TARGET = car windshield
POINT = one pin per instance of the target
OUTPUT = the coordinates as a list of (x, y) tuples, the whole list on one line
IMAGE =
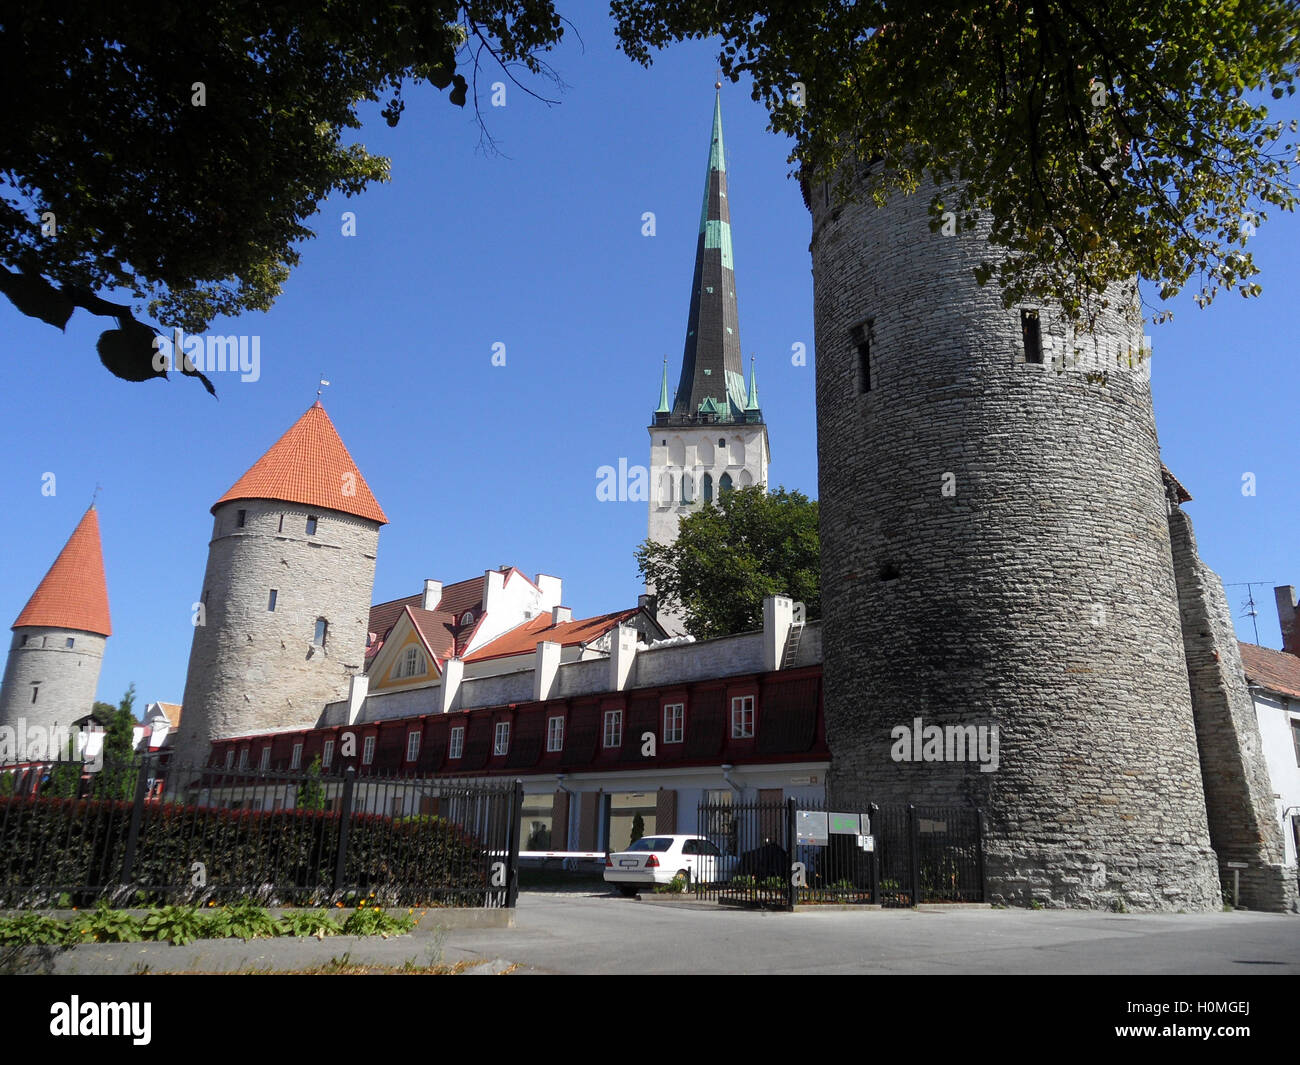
[(651, 843)]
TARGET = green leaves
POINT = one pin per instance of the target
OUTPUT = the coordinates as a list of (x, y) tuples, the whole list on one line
[(730, 555)]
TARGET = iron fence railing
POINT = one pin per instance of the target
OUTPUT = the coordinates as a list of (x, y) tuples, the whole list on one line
[(782, 854), (144, 832)]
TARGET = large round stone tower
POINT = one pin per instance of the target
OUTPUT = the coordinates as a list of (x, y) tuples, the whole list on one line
[(996, 553), (281, 625), (58, 643)]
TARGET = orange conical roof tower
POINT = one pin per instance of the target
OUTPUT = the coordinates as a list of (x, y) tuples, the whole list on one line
[(309, 465), (73, 595)]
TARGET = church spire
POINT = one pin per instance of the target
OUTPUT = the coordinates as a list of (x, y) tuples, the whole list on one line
[(713, 376), (663, 407), (753, 386)]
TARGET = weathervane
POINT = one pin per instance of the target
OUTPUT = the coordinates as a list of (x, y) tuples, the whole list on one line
[(323, 384)]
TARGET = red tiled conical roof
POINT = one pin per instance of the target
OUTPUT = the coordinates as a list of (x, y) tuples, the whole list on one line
[(74, 594), (309, 465)]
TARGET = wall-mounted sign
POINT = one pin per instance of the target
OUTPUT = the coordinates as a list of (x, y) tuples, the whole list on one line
[(810, 828), (803, 782), (846, 824)]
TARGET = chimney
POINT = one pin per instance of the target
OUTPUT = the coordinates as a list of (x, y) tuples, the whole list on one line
[(1286, 618), (449, 697), (357, 688), (550, 588), (494, 583), (561, 614), (650, 604), (545, 670), (778, 616), (432, 595), (622, 657)]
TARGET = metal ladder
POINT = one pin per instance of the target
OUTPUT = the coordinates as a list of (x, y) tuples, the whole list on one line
[(792, 645)]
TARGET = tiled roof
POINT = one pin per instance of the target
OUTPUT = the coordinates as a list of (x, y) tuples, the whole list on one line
[(1277, 671), (456, 599), (309, 465), (438, 627), (73, 594), (1174, 484), (172, 712), (523, 639)]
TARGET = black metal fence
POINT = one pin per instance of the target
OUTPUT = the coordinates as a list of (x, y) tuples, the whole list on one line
[(140, 833), (781, 854)]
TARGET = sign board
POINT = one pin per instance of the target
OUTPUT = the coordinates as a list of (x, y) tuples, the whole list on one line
[(845, 824), (1237, 865), (867, 843), (810, 828), (803, 781)]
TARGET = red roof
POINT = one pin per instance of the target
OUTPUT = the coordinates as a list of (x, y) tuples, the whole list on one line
[(1277, 671), (523, 639), (74, 594), (456, 599), (309, 465)]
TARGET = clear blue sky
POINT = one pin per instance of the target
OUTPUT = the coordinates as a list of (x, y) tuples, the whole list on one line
[(541, 249)]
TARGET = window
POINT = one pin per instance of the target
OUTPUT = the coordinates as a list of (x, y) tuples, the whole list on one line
[(243, 516), (674, 722), (270, 600), (413, 663), (230, 758), (501, 742), (243, 758), (708, 488), (742, 717), (368, 751), (722, 442), (311, 526), (265, 763), (724, 483), (295, 762), (71, 643), (686, 487), (457, 747), (862, 337), (327, 755), (281, 528), (36, 690), (555, 734), (1032, 335), (613, 728), (322, 630), (1295, 737), (412, 746)]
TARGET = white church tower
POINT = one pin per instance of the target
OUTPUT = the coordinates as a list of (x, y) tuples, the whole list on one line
[(711, 438)]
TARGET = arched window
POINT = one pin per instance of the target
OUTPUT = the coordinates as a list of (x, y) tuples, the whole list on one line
[(686, 488), (322, 631), (708, 488), (724, 484)]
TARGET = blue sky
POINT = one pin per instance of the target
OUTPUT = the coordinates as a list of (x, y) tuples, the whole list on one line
[(541, 249)]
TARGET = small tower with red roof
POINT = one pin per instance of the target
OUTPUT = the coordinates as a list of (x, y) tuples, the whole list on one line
[(59, 637), (280, 626)]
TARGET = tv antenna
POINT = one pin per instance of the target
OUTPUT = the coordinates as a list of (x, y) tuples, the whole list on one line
[(1252, 609)]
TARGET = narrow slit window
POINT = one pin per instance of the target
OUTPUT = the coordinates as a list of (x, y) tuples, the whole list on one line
[(862, 337), (311, 526), (243, 516), (270, 600), (1033, 337)]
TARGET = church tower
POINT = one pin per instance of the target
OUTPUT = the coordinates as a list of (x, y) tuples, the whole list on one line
[(996, 554), (281, 625), (59, 637), (711, 437)]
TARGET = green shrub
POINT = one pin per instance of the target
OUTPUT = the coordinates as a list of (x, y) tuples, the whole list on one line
[(176, 924), (316, 923), (32, 928), (105, 925), (374, 921)]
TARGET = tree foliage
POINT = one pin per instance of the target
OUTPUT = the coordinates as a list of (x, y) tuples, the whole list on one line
[(175, 151), (730, 555), (311, 794), (117, 778), (1102, 141)]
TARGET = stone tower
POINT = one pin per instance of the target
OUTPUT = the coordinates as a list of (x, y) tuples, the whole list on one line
[(58, 643), (712, 437), (995, 552), (282, 625)]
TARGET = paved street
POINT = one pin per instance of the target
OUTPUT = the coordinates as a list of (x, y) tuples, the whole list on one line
[(560, 932)]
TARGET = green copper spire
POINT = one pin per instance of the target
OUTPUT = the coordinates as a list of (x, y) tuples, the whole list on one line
[(753, 386), (663, 407)]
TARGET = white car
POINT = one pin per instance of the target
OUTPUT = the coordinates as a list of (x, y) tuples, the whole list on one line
[(655, 860)]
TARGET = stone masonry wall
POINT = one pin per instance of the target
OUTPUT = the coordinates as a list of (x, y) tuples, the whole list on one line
[(1238, 791), (996, 552), (66, 677), (252, 669)]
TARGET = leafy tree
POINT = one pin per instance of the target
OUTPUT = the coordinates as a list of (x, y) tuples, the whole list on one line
[(174, 151), (638, 829), (64, 780), (117, 778), (731, 554), (1104, 141), (311, 794)]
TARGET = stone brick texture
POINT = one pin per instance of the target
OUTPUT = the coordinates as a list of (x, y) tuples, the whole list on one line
[(1238, 793), (1038, 595), (67, 677), (255, 670)]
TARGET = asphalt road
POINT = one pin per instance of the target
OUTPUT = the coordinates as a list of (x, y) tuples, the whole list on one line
[(597, 933)]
